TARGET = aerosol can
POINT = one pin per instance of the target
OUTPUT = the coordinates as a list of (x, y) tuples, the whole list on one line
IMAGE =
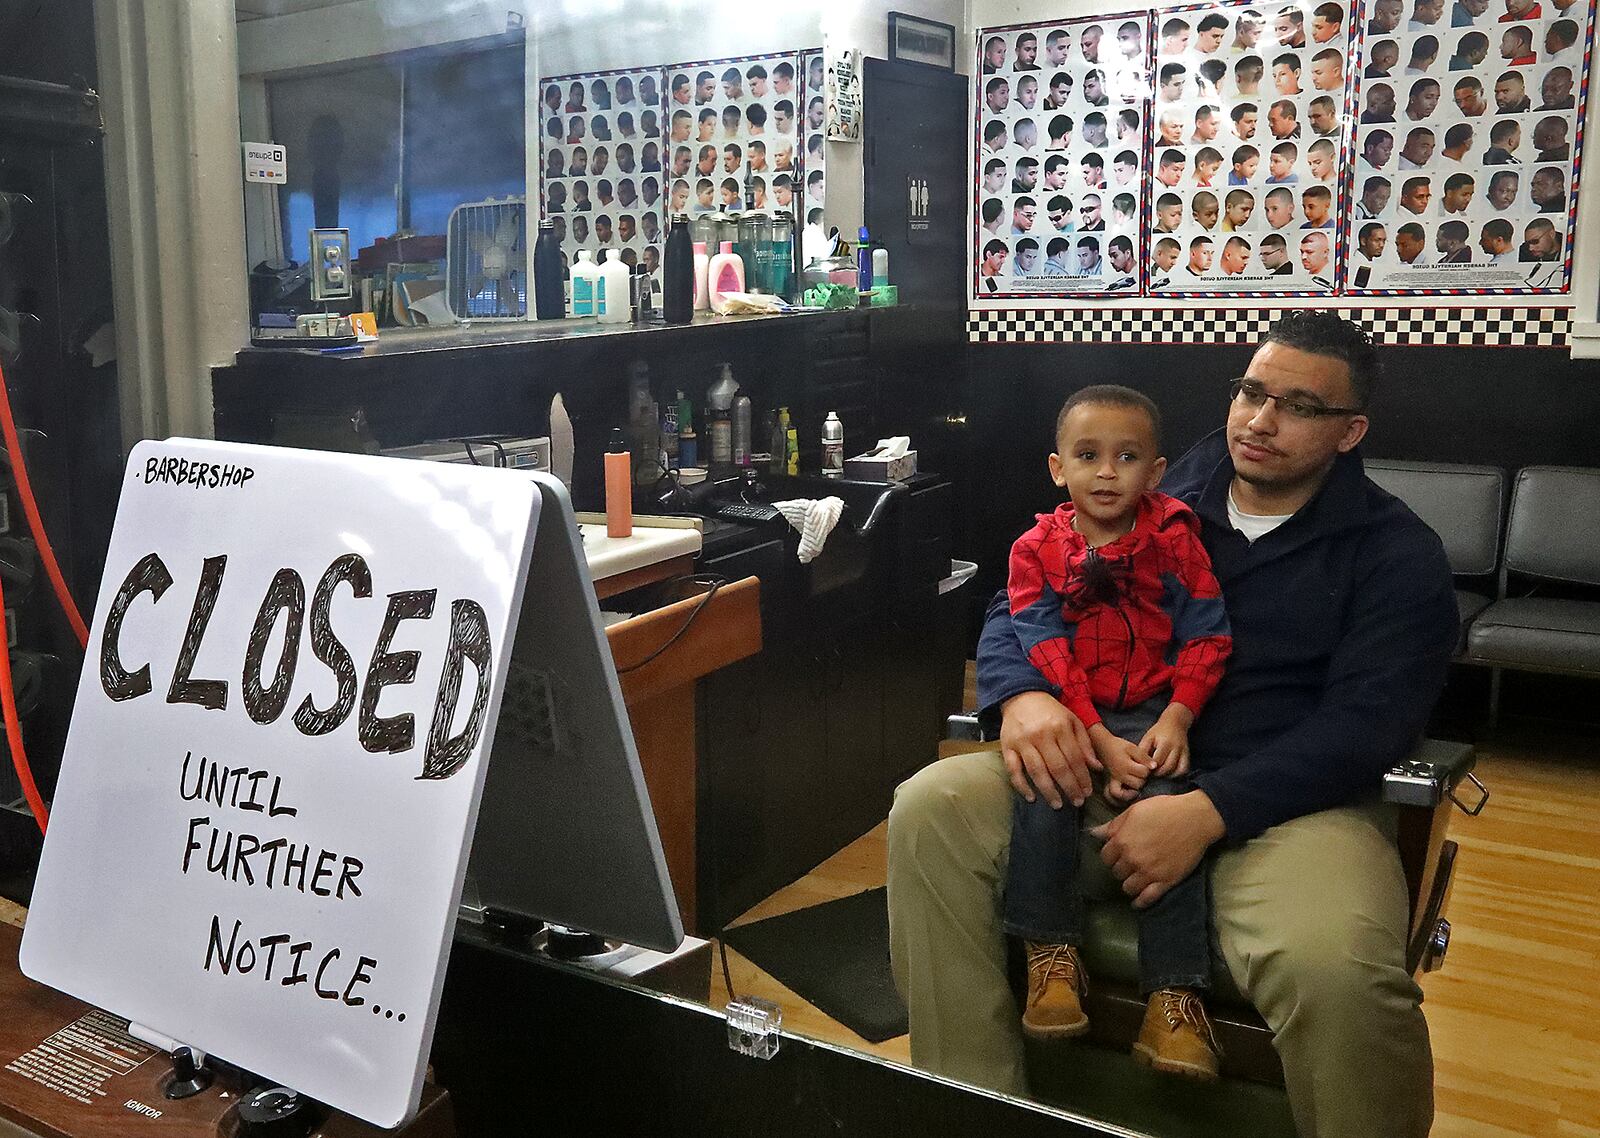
[(832, 446)]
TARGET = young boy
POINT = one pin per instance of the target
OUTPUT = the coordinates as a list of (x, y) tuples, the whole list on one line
[(1114, 600)]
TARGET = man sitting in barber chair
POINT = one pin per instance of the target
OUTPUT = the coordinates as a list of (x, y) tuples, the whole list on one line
[(1344, 620)]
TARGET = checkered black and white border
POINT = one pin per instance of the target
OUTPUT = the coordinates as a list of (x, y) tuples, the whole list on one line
[(1508, 327)]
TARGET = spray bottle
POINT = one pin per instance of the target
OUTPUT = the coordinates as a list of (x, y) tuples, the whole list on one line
[(741, 431)]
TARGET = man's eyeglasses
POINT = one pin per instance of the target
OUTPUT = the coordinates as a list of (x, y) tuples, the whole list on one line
[(1252, 394)]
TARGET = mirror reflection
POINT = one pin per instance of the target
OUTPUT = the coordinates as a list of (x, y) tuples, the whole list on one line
[(1085, 743)]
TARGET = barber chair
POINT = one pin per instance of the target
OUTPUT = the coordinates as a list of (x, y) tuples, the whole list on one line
[(1424, 786)]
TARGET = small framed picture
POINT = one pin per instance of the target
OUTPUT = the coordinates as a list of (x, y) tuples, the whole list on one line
[(913, 39)]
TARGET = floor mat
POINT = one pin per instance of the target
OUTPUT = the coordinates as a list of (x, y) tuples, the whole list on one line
[(835, 956)]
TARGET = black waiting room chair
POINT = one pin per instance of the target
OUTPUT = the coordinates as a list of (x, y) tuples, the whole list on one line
[(1464, 505), (1547, 617)]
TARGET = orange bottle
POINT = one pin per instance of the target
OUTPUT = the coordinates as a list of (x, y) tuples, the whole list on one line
[(619, 487)]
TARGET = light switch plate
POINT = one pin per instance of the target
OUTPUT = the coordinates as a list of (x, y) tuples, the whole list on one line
[(330, 265)]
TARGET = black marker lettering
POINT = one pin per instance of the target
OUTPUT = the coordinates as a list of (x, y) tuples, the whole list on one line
[(183, 778), (287, 594), (214, 862), (273, 809), (347, 876), (210, 694), (325, 861), (298, 976), (194, 824), (469, 640), (250, 803), (272, 849), (397, 732), (326, 993), (241, 857), (360, 976), (350, 569), (292, 863), (214, 949), (148, 576), (271, 943)]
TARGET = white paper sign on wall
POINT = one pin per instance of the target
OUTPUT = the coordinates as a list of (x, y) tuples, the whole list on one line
[(842, 103), (273, 770)]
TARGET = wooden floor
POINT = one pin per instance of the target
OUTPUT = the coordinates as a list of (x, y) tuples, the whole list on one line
[(1515, 1012)]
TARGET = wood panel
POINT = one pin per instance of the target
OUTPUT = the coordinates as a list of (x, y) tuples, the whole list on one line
[(1515, 1012), (34, 1013), (712, 632)]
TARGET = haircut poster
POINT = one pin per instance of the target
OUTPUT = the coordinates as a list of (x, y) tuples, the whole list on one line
[(1468, 145), (813, 164), (1061, 111), (600, 163), (734, 132), (1248, 144)]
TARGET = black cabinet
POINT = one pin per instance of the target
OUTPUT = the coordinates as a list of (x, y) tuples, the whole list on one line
[(801, 747)]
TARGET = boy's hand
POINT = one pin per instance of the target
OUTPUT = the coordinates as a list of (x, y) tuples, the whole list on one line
[(1167, 742), (1126, 766)]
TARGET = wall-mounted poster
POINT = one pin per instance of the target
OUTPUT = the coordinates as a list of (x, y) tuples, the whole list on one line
[(1248, 143), (1467, 150), (1060, 142), (734, 127), (601, 176), (813, 161)]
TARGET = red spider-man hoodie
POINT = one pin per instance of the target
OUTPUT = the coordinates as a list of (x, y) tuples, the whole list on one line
[(1147, 618)]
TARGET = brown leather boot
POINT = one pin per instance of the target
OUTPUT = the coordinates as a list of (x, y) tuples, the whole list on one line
[(1056, 986), (1177, 1036)]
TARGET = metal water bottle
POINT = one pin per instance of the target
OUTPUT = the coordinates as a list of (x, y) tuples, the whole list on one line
[(677, 272), (832, 446), (549, 301)]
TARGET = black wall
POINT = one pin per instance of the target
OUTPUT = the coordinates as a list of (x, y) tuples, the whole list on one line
[(1507, 407)]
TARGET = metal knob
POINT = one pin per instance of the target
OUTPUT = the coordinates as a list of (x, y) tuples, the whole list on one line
[(275, 1112), (188, 1076), (1438, 945)]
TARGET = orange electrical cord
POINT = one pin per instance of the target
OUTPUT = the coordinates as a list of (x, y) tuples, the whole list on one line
[(8, 694), (19, 471), (8, 705)]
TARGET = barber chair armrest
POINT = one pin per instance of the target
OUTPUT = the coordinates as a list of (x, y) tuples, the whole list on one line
[(964, 728), (1431, 774), (1424, 785)]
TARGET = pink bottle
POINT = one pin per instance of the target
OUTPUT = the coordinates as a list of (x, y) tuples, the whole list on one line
[(725, 274)]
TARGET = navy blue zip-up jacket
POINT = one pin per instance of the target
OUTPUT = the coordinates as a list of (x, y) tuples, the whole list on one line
[(1344, 621)]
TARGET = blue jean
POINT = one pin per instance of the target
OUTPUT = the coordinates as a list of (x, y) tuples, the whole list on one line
[(1043, 902)]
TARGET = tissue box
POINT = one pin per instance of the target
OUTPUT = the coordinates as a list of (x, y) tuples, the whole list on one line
[(879, 468)]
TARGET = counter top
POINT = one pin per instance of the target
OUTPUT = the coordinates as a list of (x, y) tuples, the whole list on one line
[(648, 545), (492, 336)]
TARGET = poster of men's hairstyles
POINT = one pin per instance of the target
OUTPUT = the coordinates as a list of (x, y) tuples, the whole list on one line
[(1249, 131), (736, 131), (602, 171), (1060, 121), (1468, 144), (812, 159)]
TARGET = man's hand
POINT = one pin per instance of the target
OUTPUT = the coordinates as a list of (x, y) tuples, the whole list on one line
[(1126, 766), (1156, 843), (1167, 741), (1046, 747)]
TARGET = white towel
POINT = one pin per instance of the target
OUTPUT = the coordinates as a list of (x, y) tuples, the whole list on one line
[(815, 519)]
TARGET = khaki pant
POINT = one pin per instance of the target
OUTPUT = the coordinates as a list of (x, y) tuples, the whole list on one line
[(1311, 916)]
